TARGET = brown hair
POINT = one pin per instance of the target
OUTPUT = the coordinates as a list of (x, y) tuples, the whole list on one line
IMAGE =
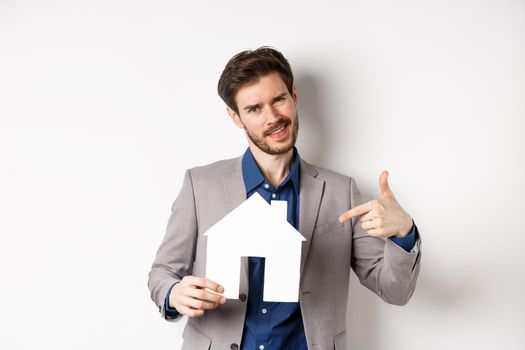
[(248, 67)]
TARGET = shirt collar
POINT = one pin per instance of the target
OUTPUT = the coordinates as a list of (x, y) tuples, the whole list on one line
[(253, 177)]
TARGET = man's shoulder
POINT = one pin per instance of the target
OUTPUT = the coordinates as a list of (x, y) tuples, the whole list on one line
[(216, 169)]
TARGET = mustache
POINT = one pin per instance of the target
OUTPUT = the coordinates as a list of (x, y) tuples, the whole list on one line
[(277, 125)]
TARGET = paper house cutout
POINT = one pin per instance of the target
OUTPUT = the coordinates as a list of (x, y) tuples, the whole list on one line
[(258, 229)]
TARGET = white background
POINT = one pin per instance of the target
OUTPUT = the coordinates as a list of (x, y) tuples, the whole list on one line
[(104, 104)]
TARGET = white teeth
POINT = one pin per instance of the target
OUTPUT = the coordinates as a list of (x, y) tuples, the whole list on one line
[(278, 130)]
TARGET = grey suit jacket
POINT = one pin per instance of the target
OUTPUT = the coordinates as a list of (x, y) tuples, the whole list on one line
[(331, 249)]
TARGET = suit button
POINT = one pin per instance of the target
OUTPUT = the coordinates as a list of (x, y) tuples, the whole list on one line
[(242, 296), (234, 347)]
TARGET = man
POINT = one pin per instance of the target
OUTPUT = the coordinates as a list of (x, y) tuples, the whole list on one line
[(377, 239)]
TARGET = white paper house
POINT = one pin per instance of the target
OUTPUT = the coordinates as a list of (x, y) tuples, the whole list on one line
[(256, 229)]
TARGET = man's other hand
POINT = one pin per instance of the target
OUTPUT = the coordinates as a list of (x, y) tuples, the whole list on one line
[(192, 296), (382, 217)]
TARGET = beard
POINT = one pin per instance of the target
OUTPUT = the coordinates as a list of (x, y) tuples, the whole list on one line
[(261, 143)]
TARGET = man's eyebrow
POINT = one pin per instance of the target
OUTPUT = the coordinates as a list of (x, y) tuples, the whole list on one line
[(281, 95), (251, 106)]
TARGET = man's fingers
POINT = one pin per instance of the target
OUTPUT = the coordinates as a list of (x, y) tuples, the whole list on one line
[(368, 225), (384, 187), (204, 295), (367, 217), (186, 310), (193, 295), (198, 304), (356, 211), (204, 282)]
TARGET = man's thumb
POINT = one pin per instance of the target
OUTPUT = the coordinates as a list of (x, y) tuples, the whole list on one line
[(383, 185)]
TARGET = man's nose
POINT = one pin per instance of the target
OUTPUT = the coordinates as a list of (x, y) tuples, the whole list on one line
[(271, 115)]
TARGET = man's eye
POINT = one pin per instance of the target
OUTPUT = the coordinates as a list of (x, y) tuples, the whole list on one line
[(253, 109)]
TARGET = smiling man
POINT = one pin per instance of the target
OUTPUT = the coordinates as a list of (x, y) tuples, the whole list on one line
[(377, 239), (269, 115)]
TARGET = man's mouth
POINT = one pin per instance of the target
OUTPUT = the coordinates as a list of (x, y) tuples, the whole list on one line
[(279, 132)]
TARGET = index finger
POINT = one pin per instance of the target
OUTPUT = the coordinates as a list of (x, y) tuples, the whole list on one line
[(204, 282), (355, 211)]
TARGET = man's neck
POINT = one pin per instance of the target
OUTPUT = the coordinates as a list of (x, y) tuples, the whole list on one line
[(274, 167)]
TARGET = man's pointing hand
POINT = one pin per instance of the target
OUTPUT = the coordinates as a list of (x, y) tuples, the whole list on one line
[(382, 217)]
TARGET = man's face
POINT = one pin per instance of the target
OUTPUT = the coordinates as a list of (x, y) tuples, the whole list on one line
[(268, 114)]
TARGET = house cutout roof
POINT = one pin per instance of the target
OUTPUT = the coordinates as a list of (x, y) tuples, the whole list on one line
[(256, 228)]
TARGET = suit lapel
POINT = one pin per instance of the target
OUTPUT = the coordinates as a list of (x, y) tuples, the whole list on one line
[(311, 192), (234, 188)]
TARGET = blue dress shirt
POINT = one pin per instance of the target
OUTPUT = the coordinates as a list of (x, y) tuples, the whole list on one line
[(274, 325), (271, 325)]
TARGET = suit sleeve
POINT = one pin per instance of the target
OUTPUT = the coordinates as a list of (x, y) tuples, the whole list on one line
[(381, 265), (175, 256)]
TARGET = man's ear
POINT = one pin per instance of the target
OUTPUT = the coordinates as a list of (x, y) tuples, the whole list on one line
[(294, 94), (234, 117)]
